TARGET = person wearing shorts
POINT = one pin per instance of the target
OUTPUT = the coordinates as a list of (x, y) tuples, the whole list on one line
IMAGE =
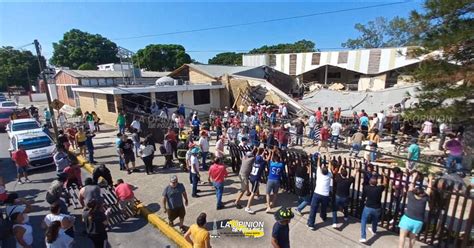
[(274, 178), (21, 161), (81, 141), (244, 174), (173, 205), (126, 151), (255, 176), (411, 222)]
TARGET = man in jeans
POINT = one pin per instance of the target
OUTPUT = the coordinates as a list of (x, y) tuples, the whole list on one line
[(173, 196), (125, 196), (204, 144), (336, 129), (357, 139), (373, 205), (311, 125), (118, 141), (321, 195), (343, 184), (217, 173), (194, 164)]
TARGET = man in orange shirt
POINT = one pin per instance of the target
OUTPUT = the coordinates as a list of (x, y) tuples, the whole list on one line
[(21, 160), (125, 196), (217, 173)]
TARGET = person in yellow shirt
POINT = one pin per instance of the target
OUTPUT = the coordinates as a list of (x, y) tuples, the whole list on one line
[(197, 235), (81, 141)]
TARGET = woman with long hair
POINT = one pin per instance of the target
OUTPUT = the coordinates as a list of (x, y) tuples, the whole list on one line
[(95, 221)]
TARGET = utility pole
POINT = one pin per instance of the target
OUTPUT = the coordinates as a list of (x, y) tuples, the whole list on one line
[(48, 95)]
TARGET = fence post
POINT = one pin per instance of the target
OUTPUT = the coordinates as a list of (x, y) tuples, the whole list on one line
[(467, 229)]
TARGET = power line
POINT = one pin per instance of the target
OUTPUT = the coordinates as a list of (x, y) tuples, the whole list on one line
[(261, 22)]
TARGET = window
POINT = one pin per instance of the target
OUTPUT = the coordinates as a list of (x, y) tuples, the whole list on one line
[(202, 97), (170, 99), (273, 61), (334, 75), (110, 103), (70, 93), (342, 57), (315, 58)]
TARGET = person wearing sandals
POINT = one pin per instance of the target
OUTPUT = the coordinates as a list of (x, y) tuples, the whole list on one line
[(173, 204)]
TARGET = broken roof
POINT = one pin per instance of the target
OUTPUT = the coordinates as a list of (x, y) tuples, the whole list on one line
[(371, 102)]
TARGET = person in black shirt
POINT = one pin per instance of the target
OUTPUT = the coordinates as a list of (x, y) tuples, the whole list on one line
[(127, 153), (302, 188), (299, 132), (281, 229), (373, 193), (95, 221), (104, 172), (412, 221), (343, 184)]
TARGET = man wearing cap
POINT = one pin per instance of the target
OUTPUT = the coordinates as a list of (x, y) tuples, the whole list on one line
[(194, 170), (173, 196), (245, 168), (204, 145), (413, 154), (22, 161), (281, 229)]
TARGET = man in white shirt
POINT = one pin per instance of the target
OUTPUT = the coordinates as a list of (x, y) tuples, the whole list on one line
[(194, 163), (220, 147), (336, 129), (321, 195), (375, 122), (311, 124), (381, 117), (284, 111), (136, 124), (204, 144), (443, 130)]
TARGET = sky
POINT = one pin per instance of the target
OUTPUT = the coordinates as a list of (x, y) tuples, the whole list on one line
[(22, 22)]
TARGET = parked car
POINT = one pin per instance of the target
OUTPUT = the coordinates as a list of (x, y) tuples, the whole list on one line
[(8, 105), (39, 147), (5, 118), (19, 126)]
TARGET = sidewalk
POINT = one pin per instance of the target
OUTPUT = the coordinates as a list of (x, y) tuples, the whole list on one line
[(150, 188)]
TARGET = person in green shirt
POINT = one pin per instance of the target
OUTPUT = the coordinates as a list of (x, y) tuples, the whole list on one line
[(413, 154), (120, 123)]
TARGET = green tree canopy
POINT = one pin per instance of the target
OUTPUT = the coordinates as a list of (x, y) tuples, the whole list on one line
[(161, 57), (383, 33), (17, 66), (78, 47), (229, 58), (297, 47), (87, 66)]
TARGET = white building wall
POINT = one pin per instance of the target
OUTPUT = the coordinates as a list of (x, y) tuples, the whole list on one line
[(187, 98)]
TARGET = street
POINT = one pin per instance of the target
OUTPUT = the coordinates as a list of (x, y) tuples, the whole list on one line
[(134, 232)]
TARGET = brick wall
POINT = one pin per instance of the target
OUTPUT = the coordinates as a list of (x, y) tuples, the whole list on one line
[(99, 106), (198, 77)]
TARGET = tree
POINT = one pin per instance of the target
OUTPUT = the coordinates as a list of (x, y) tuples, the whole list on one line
[(161, 57), (87, 66), (447, 76), (17, 67), (78, 47), (297, 47), (383, 33), (229, 58)]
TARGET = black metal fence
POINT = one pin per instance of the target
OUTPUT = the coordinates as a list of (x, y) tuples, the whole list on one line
[(448, 221)]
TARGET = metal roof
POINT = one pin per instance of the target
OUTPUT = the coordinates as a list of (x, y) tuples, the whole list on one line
[(110, 74)]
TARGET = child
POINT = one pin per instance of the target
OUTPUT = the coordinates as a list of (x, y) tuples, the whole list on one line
[(281, 229)]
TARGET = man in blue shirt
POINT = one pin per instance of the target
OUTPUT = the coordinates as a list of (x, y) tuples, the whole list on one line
[(364, 124), (281, 229), (276, 170)]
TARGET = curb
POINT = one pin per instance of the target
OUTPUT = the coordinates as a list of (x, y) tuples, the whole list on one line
[(153, 219)]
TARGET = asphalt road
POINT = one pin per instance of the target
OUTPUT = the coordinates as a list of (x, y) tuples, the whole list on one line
[(135, 232)]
